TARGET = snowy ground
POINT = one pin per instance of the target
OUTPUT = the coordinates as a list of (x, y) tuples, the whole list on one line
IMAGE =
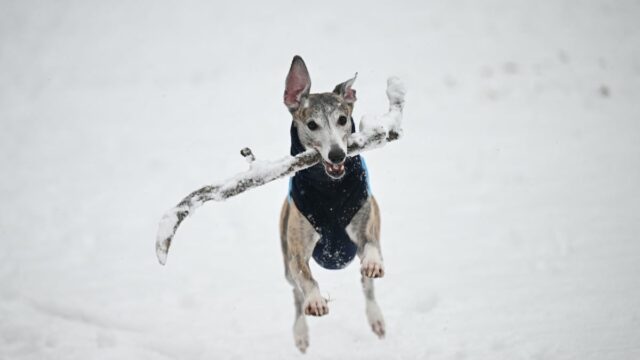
[(511, 209)]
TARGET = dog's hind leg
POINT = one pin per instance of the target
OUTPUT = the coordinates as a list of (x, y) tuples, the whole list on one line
[(374, 314), (300, 328), (298, 281), (364, 229)]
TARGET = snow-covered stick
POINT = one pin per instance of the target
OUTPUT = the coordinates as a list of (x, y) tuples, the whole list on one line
[(374, 132)]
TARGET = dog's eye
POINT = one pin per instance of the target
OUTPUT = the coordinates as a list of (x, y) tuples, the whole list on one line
[(312, 125), (342, 120)]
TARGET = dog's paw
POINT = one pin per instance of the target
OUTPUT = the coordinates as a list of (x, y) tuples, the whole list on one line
[(374, 315), (372, 265), (378, 328), (316, 305), (301, 334)]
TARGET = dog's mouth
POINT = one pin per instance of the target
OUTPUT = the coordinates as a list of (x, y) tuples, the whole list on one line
[(335, 171)]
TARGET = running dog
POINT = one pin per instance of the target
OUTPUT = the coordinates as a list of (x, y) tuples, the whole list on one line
[(329, 214)]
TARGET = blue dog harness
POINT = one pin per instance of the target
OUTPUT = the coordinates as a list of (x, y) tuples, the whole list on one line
[(330, 204)]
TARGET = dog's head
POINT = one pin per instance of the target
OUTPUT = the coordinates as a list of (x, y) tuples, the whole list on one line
[(323, 121)]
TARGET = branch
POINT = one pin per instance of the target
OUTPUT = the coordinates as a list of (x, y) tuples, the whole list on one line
[(374, 132)]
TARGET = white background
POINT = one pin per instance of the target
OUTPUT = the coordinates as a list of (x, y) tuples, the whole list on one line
[(511, 208)]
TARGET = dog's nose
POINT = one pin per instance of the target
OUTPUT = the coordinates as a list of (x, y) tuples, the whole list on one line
[(336, 155)]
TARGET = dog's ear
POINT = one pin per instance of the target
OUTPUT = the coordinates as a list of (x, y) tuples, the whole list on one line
[(344, 89), (297, 85)]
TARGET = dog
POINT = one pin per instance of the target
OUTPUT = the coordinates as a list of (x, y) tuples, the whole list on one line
[(329, 214)]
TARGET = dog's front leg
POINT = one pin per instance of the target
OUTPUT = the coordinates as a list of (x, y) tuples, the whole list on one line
[(314, 304), (301, 239)]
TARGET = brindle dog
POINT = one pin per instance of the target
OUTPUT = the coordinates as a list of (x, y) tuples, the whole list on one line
[(323, 122)]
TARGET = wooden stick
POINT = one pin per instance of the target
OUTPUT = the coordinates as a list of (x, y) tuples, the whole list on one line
[(386, 129)]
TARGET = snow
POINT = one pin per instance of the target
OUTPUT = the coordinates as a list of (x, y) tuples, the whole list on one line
[(509, 208)]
